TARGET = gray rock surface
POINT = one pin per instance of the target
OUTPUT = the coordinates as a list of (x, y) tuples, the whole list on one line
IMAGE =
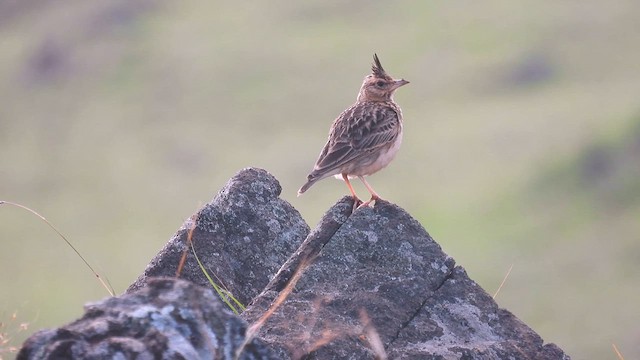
[(381, 261), (461, 321), (166, 319), (371, 283), (242, 236)]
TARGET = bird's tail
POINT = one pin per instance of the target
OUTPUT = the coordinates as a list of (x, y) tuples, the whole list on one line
[(310, 181)]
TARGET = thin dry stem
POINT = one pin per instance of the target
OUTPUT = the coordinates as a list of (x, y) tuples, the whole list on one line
[(372, 336), (222, 289), (7, 329), (327, 336), (104, 283), (298, 348), (310, 323), (254, 328), (618, 354), (183, 259), (503, 281)]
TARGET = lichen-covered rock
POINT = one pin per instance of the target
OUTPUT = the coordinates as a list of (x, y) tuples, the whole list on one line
[(461, 321), (166, 319), (379, 267), (370, 283), (380, 261), (242, 237)]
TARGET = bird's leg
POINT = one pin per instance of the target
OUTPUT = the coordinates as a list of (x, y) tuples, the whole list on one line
[(356, 200), (374, 196)]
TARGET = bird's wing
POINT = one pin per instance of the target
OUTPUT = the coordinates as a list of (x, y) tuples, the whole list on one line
[(358, 131)]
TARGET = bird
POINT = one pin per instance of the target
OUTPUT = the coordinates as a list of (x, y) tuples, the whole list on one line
[(365, 137)]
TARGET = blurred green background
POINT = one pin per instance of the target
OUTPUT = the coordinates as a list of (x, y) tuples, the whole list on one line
[(522, 140)]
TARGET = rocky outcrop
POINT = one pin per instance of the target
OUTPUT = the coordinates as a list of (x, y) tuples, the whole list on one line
[(461, 321), (166, 319), (379, 269), (363, 284), (242, 236)]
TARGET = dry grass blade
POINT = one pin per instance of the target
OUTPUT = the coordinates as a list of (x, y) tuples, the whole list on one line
[(367, 333), (253, 329), (618, 354), (326, 337), (8, 331), (503, 281), (223, 292), (193, 219), (297, 351), (104, 283), (372, 336)]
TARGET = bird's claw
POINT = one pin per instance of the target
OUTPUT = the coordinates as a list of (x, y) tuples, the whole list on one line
[(356, 204), (367, 203)]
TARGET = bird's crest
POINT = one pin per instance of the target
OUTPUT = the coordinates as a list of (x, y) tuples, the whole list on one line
[(376, 67)]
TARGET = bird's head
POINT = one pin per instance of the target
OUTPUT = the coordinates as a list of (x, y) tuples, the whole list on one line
[(378, 86)]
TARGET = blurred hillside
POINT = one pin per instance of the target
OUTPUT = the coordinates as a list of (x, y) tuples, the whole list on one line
[(522, 140)]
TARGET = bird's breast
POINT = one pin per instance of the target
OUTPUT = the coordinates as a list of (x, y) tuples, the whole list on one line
[(372, 164), (386, 156)]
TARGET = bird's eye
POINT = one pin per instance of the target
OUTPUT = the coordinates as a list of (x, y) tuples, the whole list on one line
[(380, 84)]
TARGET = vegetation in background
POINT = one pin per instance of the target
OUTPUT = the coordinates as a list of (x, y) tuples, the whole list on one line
[(521, 139)]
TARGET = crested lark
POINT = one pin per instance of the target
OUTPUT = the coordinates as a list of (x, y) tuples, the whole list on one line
[(365, 137)]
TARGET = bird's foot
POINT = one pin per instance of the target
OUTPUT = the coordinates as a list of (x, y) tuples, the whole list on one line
[(356, 203), (367, 203)]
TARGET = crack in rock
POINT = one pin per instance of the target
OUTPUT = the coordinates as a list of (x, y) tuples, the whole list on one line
[(418, 310)]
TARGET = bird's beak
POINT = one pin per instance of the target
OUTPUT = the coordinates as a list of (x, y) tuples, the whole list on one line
[(398, 83)]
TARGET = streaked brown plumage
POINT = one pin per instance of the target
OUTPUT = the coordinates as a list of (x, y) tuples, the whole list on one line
[(365, 137)]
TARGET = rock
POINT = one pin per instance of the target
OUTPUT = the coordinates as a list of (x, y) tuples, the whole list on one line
[(364, 284), (461, 321), (242, 237), (166, 319), (379, 260), (380, 266)]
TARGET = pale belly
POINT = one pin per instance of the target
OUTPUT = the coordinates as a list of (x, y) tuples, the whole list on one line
[(373, 164)]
